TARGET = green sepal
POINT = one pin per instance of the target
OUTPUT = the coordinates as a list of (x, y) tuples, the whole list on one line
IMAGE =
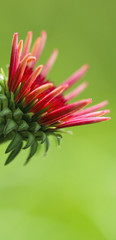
[(58, 137), (58, 140), (3, 74), (13, 154), (41, 136), (21, 104), (17, 91), (30, 140), (17, 115), (1, 128), (23, 126), (34, 127), (4, 100), (12, 102), (6, 112), (16, 141), (2, 81), (3, 84), (28, 116), (46, 145), (33, 150), (10, 126)]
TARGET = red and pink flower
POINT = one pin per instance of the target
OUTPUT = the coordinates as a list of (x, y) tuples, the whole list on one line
[(47, 104)]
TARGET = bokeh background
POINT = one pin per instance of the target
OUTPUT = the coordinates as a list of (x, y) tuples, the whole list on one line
[(70, 194)]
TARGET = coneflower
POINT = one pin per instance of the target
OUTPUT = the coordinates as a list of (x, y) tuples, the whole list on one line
[(33, 108)]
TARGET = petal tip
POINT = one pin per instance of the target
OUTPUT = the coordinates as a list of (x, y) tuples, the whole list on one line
[(86, 66), (30, 32), (55, 51), (89, 100), (44, 33), (15, 34), (107, 118)]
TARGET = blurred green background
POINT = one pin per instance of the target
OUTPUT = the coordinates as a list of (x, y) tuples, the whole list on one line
[(70, 194)]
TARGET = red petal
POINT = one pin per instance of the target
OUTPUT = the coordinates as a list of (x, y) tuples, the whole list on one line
[(13, 60), (48, 98), (36, 92), (20, 46), (25, 89), (64, 112)]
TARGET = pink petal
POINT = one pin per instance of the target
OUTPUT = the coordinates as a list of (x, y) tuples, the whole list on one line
[(49, 63), (38, 48), (95, 114), (76, 91), (91, 109), (76, 76), (27, 45), (82, 121)]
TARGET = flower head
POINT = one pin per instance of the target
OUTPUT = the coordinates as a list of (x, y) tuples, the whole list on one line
[(32, 108)]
